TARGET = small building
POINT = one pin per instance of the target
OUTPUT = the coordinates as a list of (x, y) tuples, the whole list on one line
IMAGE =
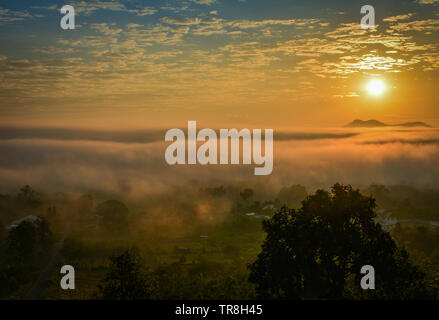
[(16, 223), (269, 207)]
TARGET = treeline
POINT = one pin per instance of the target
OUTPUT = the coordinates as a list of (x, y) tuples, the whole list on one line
[(313, 252), (315, 243), (23, 250), (26, 237), (128, 277)]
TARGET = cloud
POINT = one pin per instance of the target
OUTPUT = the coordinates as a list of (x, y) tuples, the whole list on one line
[(249, 24), (135, 136), (138, 169), (90, 7), (308, 136), (106, 29), (181, 21), (206, 2), (7, 15), (427, 1), (146, 11), (109, 63), (398, 17), (417, 25), (404, 141)]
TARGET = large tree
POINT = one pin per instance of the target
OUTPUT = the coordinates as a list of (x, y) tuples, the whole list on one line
[(317, 251), (29, 197)]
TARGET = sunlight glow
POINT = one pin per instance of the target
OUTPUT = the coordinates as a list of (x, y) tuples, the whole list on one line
[(376, 87)]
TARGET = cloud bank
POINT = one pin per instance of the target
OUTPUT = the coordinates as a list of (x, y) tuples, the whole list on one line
[(132, 163)]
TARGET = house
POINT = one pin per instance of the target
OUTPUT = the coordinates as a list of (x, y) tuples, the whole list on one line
[(16, 223), (269, 207)]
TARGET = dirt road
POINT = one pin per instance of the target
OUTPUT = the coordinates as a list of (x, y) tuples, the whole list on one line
[(37, 289)]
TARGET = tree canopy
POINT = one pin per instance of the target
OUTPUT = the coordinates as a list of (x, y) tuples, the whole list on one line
[(317, 251), (127, 278)]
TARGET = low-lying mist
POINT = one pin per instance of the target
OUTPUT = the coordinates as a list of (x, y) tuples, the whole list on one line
[(118, 164)]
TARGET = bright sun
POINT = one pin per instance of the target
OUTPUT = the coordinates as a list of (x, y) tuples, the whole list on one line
[(376, 87)]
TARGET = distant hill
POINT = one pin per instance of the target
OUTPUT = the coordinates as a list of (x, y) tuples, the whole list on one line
[(375, 123), (366, 124), (414, 124)]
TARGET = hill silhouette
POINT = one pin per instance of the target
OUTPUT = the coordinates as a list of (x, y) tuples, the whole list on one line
[(375, 123)]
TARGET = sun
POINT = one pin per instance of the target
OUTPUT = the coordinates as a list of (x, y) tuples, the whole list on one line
[(376, 87)]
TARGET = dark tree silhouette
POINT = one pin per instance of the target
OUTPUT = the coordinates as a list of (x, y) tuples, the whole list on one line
[(317, 251), (127, 278), (25, 246), (29, 196), (29, 238), (22, 240), (2, 233)]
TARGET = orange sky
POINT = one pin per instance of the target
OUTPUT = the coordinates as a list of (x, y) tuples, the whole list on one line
[(151, 65)]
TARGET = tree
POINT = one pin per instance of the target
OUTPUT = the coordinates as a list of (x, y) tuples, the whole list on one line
[(29, 238), (22, 240), (2, 233), (317, 251), (29, 197), (25, 247), (127, 278)]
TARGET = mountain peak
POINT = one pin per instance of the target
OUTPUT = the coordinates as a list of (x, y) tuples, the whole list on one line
[(366, 124)]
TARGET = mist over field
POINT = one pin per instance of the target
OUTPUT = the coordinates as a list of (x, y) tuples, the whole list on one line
[(97, 98), (132, 164), (196, 232)]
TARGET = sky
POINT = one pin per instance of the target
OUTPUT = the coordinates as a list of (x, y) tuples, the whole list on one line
[(243, 63), (86, 110)]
